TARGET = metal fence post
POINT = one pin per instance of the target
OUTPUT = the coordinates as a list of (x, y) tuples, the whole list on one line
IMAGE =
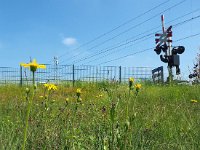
[(162, 75), (73, 75), (120, 74), (21, 82)]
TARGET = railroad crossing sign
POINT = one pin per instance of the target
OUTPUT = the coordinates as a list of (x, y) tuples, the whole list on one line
[(164, 43), (163, 37)]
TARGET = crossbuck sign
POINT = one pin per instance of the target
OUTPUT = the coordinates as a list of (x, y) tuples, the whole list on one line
[(164, 37)]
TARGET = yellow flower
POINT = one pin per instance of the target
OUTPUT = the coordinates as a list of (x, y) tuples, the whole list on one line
[(194, 101), (33, 65), (46, 85), (67, 99), (50, 87), (100, 95), (138, 86), (41, 96), (131, 79), (78, 92)]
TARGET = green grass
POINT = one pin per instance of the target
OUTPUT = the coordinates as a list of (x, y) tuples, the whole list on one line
[(159, 117)]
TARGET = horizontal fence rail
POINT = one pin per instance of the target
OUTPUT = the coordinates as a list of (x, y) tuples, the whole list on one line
[(71, 73)]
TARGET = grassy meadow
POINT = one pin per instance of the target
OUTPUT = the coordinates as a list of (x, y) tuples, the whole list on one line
[(102, 116)]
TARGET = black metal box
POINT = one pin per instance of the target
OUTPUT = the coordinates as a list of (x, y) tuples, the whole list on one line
[(176, 60)]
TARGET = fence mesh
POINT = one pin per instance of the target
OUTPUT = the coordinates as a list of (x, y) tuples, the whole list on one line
[(62, 73), (9, 75)]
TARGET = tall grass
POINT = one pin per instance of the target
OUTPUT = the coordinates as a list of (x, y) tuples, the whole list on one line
[(159, 117)]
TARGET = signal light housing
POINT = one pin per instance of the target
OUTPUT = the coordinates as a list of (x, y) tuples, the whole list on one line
[(163, 48), (158, 50), (178, 50), (163, 59)]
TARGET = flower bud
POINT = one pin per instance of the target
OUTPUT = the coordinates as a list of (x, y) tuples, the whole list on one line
[(27, 90), (35, 86)]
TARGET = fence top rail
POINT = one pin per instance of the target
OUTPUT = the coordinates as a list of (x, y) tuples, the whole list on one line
[(112, 66), (56, 65), (83, 67), (139, 67), (7, 68), (88, 66), (94, 66)]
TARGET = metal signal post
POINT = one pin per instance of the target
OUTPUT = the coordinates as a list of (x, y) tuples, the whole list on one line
[(164, 43)]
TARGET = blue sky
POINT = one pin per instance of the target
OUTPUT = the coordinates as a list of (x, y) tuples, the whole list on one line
[(43, 29)]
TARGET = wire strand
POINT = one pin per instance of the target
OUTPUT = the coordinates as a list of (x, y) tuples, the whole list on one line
[(147, 49), (127, 30), (128, 42)]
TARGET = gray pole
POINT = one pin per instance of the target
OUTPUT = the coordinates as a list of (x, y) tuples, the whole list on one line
[(170, 67), (168, 53)]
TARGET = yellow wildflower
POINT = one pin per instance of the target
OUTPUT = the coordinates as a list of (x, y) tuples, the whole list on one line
[(78, 92), (138, 86), (41, 96), (131, 79), (46, 85), (50, 87), (100, 95), (33, 65), (67, 100), (194, 101)]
